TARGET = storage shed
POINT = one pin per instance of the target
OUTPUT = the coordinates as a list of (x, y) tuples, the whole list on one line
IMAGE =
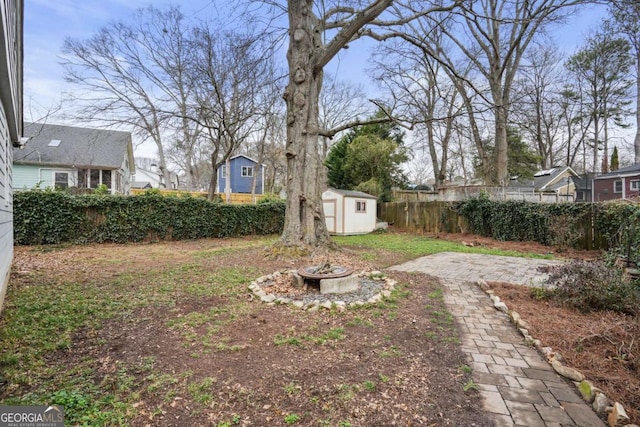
[(349, 212)]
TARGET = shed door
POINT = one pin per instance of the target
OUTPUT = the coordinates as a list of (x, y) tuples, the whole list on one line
[(330, 214)]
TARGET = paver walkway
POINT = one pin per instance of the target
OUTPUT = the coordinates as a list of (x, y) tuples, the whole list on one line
[(518, 386)]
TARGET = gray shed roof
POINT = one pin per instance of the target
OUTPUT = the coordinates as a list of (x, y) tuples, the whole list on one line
[(74, 146), (351, 193)]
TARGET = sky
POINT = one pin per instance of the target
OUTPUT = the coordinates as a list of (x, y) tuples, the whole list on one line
[(48, 23)]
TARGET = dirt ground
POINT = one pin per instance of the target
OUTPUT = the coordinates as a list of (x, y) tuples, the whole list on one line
[(224, 359), (397, 364)]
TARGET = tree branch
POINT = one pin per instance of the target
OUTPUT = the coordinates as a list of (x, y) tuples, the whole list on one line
[(345, 35)]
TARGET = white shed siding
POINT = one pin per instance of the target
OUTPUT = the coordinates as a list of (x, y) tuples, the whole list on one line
[(359, 222), (6, 205), (341, 216)]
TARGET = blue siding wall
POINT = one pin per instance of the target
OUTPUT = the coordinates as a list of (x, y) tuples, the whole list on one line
[(26, 177), (239, 183)]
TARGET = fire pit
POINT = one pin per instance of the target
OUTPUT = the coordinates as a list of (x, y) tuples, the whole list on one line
[(324, 271), (333, 279)]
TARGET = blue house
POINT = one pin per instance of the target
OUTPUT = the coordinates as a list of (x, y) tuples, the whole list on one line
[(242, 169)]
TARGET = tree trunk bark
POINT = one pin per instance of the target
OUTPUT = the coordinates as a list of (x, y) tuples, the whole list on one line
[(227, 180), (304, 221), (502, 147), (213, 183)]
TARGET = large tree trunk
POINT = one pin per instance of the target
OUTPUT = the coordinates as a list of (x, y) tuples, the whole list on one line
[(304, 222), (500, 101), (502, 146)]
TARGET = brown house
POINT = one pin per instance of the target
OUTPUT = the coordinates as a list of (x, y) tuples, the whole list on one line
[(621, 184)]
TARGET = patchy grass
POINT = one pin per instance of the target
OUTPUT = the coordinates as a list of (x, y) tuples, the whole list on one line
[(166, 333), (415, 246)]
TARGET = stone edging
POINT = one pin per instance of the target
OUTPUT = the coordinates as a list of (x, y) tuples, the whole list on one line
[(257, 286), (600, 403)]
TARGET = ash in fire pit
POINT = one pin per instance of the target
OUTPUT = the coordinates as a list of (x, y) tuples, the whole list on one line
[(324, 271), (332, 279)]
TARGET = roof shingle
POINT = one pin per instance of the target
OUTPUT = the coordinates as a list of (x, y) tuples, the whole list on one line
[(79, 147)]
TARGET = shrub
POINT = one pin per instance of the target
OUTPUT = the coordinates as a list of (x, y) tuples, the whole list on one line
[(525, 221), (619, 222), (593, 286), (45, 217), (270, 198)]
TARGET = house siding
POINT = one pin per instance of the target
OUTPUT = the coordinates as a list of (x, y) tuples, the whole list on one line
[(11, 15), (603, 188), (6, 206), (25, 177), (239, 183)]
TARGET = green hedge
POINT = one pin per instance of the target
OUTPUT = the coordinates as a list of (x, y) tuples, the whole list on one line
[(45, 217), (619, 222), (560, 224), (525, 221)]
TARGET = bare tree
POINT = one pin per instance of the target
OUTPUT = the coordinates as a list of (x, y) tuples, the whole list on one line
[(503, 29), (230, 71), (130, 75), (422, 97), (164, 37), (340, 103), (626, 17), (316, 36), (493, 35), (537, 102)]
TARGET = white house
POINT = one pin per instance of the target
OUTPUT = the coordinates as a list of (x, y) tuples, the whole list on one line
[(11, 17), (154, 178), (349, 212)]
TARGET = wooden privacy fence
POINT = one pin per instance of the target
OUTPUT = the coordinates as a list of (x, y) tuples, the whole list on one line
[(442, 217), (236, 198), (426, 217)]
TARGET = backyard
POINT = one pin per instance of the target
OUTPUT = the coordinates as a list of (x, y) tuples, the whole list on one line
[(168, 334)]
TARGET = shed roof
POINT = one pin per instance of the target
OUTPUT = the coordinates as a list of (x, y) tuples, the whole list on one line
[(74, 146), (352, 193)]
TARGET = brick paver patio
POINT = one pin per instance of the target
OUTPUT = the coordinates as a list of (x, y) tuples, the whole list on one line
[(518, 386)]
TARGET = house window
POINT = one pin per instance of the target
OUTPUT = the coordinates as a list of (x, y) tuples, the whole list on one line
[(91, 178), (61, 180), (94, 178), (635, 185), (106, 178), (223, 171), (82, 178), (617, 186), (247, 171), (361, 206)]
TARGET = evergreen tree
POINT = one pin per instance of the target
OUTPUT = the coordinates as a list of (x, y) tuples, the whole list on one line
[(368, 159), (615, 161)]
